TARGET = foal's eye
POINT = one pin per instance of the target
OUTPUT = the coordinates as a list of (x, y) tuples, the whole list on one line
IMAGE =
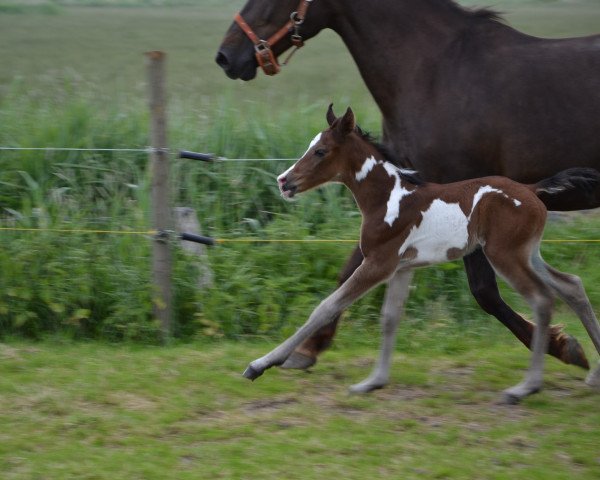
[(320, 152)]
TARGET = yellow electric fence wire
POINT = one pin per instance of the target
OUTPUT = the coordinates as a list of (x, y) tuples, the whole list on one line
[(237, 240), (577, 240), (282, 240)]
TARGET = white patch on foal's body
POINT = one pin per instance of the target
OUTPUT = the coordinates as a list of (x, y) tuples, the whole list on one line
[(397, 193), (488, 189), (481, 192), (444, 226), (366, 168)]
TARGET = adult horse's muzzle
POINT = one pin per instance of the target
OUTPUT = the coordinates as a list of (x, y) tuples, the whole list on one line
[(244, 68)]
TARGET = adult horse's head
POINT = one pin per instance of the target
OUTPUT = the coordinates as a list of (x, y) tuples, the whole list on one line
[(263, 30), (329, 157)]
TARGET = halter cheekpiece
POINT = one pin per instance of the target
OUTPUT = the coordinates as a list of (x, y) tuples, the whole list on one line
[(263, 48)]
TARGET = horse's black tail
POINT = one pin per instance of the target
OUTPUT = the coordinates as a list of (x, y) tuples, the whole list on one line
[(572, 189)]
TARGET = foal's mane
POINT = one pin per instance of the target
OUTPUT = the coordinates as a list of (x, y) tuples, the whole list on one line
[(408, 175)]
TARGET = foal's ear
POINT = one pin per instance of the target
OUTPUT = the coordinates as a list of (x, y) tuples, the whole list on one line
[(330, 115), (347, 123)]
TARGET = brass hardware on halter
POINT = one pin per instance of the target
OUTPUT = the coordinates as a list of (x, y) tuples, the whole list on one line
[(263, 48)]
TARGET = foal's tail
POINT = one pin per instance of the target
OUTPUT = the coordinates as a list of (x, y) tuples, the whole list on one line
[(572, 189)]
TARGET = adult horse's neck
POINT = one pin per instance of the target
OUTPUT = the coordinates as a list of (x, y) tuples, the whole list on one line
[(391, 41)]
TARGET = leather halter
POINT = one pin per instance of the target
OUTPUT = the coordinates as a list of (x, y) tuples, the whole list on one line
[(264, 54)]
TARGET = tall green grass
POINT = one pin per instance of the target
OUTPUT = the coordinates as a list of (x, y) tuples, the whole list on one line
[(98, 286), (92, 95)]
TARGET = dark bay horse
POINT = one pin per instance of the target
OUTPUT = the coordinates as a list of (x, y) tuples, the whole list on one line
[(462, 94), (407, 223)]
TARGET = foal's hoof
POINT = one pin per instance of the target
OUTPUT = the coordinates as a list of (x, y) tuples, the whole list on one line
[(299, 361), (509, 399), (365, 387), (514, 395), (368, 385), (252, 373), (593, 379)]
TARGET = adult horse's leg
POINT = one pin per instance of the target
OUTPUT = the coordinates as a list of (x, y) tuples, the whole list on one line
[(305, 356), (482, 281), (367, 276), (391, 311)]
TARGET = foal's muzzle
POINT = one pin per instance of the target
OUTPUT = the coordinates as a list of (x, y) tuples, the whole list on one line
[(287, 188)]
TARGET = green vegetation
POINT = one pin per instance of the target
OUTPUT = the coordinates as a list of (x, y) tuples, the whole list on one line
[(76, 79)]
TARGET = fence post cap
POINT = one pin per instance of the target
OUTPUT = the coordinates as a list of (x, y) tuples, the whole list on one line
[(156, 54)]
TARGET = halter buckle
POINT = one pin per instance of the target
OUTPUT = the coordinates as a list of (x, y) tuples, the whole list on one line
[(262, 46), (266, 58), (296, 19), (297, 40)]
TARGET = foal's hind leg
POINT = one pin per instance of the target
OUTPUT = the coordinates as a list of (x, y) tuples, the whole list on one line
[(391, 311), (516, 271), (482, 282), (570, 289)]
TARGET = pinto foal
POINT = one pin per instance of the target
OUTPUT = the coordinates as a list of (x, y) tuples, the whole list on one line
[(407, 223)]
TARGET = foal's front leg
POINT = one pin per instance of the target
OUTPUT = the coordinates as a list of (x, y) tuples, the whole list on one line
[(368, 275)]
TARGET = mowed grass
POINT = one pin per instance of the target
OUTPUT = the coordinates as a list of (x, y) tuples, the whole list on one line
[(102, 47), (90, 411)]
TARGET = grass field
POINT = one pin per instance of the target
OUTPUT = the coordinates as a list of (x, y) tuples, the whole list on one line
[(90, 411), (73, 75)]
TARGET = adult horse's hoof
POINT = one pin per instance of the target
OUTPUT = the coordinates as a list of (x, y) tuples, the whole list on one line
[(252, 373), (571, 351), (299, 361)]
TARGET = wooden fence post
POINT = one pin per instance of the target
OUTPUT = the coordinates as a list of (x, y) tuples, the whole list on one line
[(162, 263)]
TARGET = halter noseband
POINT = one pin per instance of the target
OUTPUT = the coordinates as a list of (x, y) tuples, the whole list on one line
[(264, 55)]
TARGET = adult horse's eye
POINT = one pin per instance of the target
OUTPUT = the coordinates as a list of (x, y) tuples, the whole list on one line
[(320, 152)]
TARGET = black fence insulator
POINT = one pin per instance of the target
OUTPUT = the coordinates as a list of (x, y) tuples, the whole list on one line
[(190, 237), (203, 157)]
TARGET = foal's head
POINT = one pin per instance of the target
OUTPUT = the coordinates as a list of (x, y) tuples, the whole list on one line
[(334, 155)]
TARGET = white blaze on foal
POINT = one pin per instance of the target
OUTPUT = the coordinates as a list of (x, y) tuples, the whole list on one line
[(313, 142)]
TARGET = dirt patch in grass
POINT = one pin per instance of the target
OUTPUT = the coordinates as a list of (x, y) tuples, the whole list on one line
[(131, 401), (268, 405)]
